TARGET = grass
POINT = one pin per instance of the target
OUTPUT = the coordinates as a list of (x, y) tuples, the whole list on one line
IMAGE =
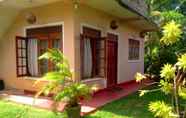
[(12, 110), (132, 106)]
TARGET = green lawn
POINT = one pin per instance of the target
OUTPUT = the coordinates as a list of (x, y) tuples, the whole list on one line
[(12, 110), (132, 106)]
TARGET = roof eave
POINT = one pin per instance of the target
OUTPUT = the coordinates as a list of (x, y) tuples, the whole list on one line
[(151, 22)]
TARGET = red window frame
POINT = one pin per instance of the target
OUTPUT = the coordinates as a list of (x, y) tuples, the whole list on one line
[(50, 46), (95, 37), (20, 57), (45, 33)]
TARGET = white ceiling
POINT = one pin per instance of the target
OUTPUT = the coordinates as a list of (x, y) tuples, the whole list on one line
[(114, 8), (21, 4), (10, 8)]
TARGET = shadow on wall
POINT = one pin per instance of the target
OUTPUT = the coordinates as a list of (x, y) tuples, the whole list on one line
[(2, 85)]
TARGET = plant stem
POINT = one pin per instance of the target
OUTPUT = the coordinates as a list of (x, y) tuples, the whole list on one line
[(172, 100), (152, 83), (176, 96)]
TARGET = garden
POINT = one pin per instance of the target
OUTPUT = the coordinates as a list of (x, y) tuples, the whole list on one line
[(117, 109)]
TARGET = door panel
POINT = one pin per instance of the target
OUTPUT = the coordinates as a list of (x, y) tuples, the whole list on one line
[(112, 57)]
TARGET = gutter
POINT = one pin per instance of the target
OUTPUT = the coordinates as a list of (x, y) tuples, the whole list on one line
[(123, 4)]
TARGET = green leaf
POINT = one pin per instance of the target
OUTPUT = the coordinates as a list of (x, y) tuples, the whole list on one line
[(143, 92), (73, 93), (182, 62), (162, 110), (60, 81), (166, 87), (54, 55), (171, 33), (139, 77), (182, 92), (168, 72), (53, 76)]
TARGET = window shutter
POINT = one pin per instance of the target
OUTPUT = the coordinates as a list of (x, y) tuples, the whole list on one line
[(22, 56), (101, 57)]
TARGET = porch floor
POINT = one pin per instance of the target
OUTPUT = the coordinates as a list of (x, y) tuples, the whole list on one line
[(99, 99)]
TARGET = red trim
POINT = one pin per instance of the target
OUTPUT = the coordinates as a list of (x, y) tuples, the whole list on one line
[(81, 53), (30, 92), (49, 34), (128, 82), (117, 85), (94, 35)]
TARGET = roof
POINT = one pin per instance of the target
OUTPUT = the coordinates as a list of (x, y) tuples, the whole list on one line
[(139, 7)]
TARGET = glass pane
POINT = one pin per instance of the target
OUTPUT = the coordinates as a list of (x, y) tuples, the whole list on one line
[(23, 53), (57, 44), (20, 62), (19, 52), (19, 43), (20, 71), (43, 43), (43, 46), (130, 52), (24, 62), (134, 49), (43, 64), (43, 67), (23, 44), (24, 71)]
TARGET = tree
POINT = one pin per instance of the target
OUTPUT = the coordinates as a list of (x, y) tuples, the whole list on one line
[(156, 54), (166, 5), (173, 77)]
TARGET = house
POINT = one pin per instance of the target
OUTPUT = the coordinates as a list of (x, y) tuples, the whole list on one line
[(102, 39)]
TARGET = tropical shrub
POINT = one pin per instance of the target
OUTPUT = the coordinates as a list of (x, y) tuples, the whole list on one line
[(173, 78), (171, 33), (158, 50), (61, 84)]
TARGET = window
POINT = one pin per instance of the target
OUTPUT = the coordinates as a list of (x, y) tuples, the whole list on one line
[(22, 69), (92, 53), (37, 43), (134, 49)]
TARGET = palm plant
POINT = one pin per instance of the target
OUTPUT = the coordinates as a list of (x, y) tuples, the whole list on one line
[(61, 84)]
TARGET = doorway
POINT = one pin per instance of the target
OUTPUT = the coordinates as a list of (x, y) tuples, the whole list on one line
[(112, 59)]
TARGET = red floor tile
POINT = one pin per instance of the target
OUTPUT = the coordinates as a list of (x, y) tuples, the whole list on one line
[(99, 99)]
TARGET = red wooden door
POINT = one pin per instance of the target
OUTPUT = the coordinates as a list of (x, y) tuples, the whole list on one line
[(112, 57)]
